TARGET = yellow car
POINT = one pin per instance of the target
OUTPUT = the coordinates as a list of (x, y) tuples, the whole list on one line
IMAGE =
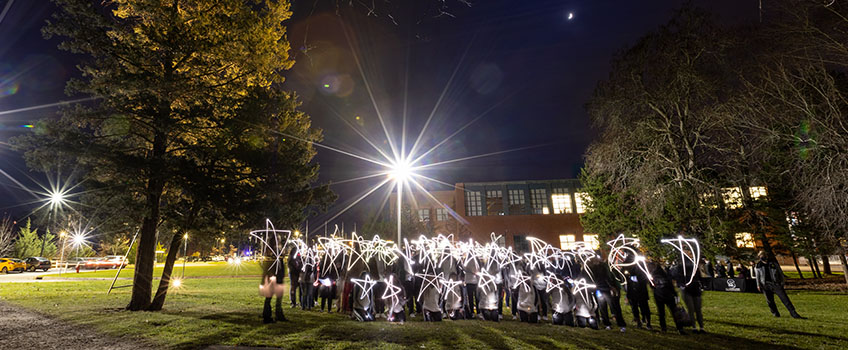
[(20, 265), (6, 265)]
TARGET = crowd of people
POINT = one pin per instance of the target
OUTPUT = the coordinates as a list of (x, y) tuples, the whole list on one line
[(438, 278)]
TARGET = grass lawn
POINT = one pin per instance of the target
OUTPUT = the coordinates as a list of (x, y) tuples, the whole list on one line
[(220, 269), (226, 311)]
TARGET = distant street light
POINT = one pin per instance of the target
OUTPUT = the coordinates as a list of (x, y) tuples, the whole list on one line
[(185, 257)]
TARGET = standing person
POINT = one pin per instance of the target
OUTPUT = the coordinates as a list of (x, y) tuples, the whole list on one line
[(731, 273), (470, 268), (770, 281), (664, 296), (307, 279), (272, 282), (362, 299), (607, 293), (540, 284), (295, 268), (637, 296), (691, 292), (721, 271)]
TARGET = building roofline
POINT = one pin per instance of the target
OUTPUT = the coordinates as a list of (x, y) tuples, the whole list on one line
[(522, 182)]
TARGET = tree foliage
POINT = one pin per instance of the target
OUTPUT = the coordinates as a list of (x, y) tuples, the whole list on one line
[(187, 129)]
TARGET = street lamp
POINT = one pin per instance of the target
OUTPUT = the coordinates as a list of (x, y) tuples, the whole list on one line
[(185, 257), (63, 234)]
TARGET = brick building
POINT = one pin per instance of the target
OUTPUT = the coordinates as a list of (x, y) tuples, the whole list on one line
[(547, 209)]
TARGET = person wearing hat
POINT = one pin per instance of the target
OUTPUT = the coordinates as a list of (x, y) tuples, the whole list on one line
[(770, 281)]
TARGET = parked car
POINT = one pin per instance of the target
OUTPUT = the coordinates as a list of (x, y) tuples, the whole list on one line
[(37, 263), (6, 265), (116, 261), (83, 263), (19, 265)]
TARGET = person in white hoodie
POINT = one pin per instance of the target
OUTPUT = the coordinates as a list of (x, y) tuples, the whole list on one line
[(453, 297), (528, 303), (562, 302)]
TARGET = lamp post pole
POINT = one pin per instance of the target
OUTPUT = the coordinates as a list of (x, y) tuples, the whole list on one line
[(185, 248), (62, 235)]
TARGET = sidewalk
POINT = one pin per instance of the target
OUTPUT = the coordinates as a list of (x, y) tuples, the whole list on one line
[(23, 329)]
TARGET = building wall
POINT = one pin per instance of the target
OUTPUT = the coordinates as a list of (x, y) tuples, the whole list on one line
[(498, 216)]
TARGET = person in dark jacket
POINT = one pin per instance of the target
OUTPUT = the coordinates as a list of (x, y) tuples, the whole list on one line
[(307, 279), (395, 297), (770, 281), (295, 267), (607, 293), (691, 292), (637, 296), (721, 271), (664, 295), (362, 298)]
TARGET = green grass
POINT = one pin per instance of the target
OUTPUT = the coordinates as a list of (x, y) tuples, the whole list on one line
[(204, 270), (226, 311)]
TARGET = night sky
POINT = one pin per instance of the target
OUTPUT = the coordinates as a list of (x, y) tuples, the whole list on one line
[(522, 68)]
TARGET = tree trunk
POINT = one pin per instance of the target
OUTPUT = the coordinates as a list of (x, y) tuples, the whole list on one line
[(842, 259), (815, 266), (826, 264), (797, 268), (165, 281), (144, 260), (146, 254)]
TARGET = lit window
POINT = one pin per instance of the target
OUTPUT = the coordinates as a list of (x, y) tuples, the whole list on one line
[(494, 202), (708, 200), (441, 214), (473, 203), (516, 202), (732, 197), (561, 201), (758, 192), (591, 241), (539, 200), (566, 241), (744, 240), (424, 214), (581, 199)]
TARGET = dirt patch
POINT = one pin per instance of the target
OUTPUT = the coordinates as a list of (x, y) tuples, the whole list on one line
[(24, 329), (829, 284)]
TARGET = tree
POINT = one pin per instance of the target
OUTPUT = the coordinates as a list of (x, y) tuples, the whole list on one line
[(7, 236), (795, 103), (165, 76), (657, 118), (29, 243)]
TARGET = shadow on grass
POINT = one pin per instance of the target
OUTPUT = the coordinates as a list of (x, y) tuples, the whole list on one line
[(783, 331), (312, 330)]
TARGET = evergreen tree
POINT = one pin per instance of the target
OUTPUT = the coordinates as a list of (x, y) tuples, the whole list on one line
[(169, 79)]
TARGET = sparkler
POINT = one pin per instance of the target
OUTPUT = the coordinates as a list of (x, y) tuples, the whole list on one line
[(689, 251), (392, 292), (620, 249), (365, 284), (278, 247)]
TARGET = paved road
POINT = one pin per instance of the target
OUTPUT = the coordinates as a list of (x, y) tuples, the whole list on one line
[(23, 329), (30, 276)]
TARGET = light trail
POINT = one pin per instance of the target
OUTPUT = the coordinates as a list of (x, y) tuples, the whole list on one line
[(55, 104)]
